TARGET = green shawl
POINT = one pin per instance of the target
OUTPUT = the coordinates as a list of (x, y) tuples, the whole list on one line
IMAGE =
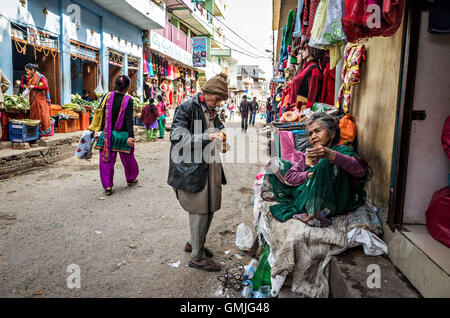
[(330, 187)]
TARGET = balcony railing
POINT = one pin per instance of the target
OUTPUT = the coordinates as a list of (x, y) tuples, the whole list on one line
[(176, 36)]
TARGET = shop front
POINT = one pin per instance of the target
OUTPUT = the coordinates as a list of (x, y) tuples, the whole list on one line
[(171, 69), (84, 68), (30, 45)]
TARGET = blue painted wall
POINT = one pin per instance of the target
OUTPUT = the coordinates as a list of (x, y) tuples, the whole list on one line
[(93, 18)]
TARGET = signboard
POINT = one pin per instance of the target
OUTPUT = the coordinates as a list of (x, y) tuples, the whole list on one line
[(199, 49), (166, 47)]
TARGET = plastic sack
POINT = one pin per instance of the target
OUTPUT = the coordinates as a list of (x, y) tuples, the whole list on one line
[(327, 28), (438, 216), (364, 217), (85, 146), (244, 237), (301, 140), (348, 129), (372, 244)]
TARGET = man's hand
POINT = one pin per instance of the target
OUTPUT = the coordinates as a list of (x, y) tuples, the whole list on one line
[(214, 137)]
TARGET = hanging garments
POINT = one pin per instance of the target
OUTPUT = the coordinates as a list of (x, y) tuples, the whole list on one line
[(309, 13), (359, 17), (298, 20), (354, 55), (327, 29)]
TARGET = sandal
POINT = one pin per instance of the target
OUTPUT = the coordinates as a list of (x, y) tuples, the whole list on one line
[(132, 183), (209, 266), (188, 249), (108, 191)]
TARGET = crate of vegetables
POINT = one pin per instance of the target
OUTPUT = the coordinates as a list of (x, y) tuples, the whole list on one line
[(25, 131)]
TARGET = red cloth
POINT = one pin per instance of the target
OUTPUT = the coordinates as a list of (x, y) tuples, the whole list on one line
[(328, 85), (357, 15), (446, 137), (313, 84), (438, 216), (309, 13), (148, 117)]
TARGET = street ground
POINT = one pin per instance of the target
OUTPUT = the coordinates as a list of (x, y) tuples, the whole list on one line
[(123, 244)]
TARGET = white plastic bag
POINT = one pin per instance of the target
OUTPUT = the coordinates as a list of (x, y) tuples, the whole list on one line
[(327, 30), (85, 146), (372, 244), (244, 237)]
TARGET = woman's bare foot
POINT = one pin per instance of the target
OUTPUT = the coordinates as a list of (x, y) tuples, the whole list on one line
[(305, 218), (43, 138)]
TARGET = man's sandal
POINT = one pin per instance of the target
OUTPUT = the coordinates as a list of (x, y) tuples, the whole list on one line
[(209, 266), (188, 249)]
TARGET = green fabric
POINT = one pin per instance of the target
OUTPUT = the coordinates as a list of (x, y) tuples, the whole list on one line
[(161, 126), (328, 188), (119, 141), (263, 273), (152, 133)]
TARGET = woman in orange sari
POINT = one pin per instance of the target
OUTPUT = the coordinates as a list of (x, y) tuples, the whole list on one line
[(39, 99)]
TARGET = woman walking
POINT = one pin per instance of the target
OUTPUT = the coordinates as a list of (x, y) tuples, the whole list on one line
[(149, 117), (39, 99), (162, 117), (117, 134)]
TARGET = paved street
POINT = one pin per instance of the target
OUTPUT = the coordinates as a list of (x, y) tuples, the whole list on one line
[(123, 244)]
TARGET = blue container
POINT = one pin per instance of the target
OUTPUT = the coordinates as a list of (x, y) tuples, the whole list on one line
[(139, 122), (23, 133)]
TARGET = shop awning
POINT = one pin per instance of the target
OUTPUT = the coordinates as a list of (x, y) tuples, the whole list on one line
[(143, 14)]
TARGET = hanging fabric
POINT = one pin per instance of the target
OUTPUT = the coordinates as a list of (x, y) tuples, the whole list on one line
[(298, 20), (327, 30), (353, 56)]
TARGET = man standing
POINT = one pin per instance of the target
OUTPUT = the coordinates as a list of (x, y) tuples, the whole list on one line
[(195, 170), (4, 85), (254, 109), (269, 111), (244, 108)]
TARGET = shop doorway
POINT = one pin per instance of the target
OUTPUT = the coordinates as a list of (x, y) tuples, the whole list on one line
[(133, 67), (84, 69), (115, 67), (421, 167), (44, 53)]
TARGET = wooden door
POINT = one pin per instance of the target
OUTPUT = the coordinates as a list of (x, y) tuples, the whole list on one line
[(90, 78)]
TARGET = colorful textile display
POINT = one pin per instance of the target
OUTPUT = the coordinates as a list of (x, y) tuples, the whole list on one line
[(353, 56), (362, 20), (327, 29)]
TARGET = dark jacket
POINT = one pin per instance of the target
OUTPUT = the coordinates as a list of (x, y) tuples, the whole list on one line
[(190, 177), (254, 106), (244, 107)]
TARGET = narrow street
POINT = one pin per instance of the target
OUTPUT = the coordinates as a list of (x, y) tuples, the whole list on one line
[(123, 244)]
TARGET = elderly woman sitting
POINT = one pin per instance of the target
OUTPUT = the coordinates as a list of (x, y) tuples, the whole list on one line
[(328, 180)]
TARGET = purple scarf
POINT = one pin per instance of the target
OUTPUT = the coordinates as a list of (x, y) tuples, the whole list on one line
[(108, 125)]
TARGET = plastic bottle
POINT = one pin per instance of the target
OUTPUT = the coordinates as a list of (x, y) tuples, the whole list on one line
[(247, 289), (250, 269)]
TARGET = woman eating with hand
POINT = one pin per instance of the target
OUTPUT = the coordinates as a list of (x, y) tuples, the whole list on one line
[(328, 180)]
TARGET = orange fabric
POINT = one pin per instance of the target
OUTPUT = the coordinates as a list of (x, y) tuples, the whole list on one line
[(39, 108), (348, 129)]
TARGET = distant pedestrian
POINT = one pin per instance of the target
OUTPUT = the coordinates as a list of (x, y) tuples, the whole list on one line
[(161, 116), (232, 110), (254, 109), (244, 109), (4, 85), (149, 117)]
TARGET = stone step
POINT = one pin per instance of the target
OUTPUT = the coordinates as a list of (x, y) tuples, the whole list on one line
[(352, 275)]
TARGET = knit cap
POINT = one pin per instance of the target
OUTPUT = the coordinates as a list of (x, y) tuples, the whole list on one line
[(217, 85)]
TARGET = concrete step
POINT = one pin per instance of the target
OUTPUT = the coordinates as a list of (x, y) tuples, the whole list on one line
[(352, 276)]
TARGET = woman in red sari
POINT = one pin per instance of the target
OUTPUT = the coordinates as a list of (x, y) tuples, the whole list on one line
[(39, 103)]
